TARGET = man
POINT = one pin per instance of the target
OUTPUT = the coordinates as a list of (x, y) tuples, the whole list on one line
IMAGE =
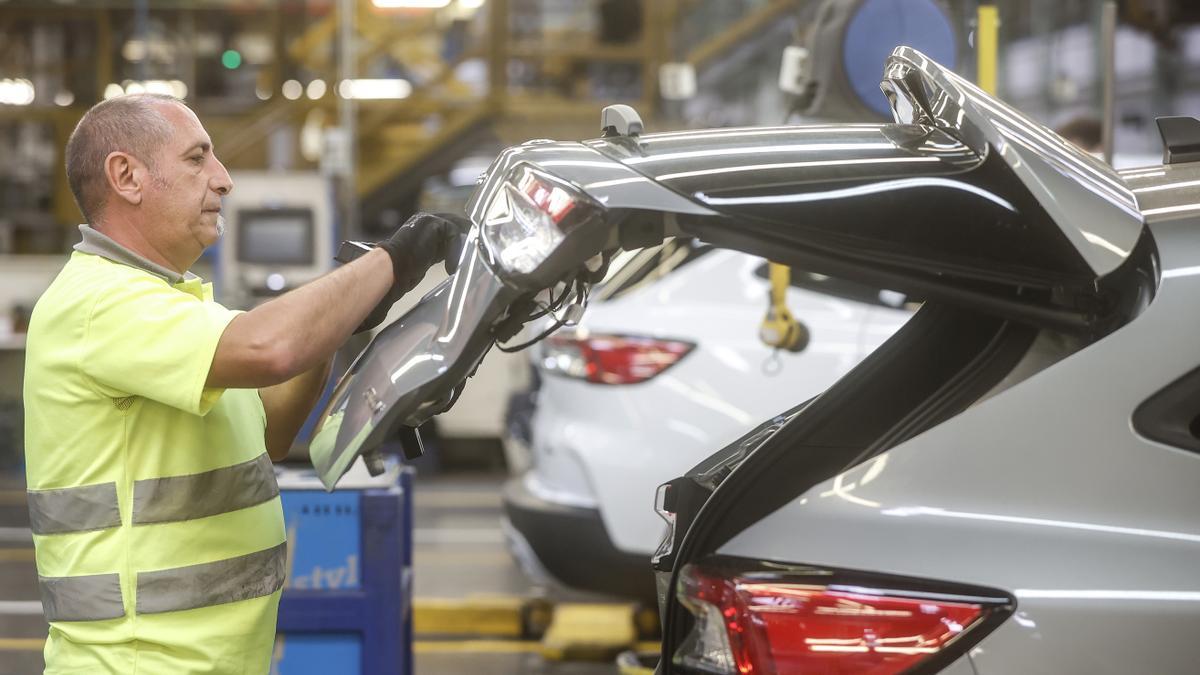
[(153, 413)]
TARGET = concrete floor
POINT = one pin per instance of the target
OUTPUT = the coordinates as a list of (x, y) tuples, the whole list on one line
[(459, 553)]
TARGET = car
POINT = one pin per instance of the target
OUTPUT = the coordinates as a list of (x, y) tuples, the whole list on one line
[(995, 489), (1006, 485), (642, 388)]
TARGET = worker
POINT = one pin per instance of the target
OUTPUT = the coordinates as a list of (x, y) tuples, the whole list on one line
[(153, 413)]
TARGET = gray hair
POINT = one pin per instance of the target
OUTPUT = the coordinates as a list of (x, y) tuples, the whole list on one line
[(133, 124)]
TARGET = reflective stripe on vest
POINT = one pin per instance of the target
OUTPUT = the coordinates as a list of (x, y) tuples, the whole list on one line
[(74, 509), (198, 495), (86, 598), (215, 583)]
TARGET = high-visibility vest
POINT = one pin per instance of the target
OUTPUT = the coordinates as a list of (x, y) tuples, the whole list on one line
[(156, 519)]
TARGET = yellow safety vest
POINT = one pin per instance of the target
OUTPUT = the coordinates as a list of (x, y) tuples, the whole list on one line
[(156, 517)]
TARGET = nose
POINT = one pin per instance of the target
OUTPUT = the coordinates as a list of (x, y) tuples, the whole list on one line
[(222, 184)]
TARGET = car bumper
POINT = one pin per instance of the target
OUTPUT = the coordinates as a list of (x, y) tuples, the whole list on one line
[(570, 544)]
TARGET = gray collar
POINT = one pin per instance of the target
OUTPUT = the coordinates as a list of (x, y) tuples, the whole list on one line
[(97, 243)]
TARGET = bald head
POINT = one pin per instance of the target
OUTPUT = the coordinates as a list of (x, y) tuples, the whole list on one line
[(133, 124)]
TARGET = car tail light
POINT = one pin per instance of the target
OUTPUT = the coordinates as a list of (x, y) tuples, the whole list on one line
[(610, 359), (797, 620), (529, 215)]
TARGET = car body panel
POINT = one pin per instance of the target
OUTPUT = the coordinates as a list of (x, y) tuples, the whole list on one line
[(1089, 525), (1084, 196), (405, 367)]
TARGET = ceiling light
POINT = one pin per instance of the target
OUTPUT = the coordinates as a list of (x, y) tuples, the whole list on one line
[(375, 89), (410, 4), (16, 92), (292, 90), (134, 50)]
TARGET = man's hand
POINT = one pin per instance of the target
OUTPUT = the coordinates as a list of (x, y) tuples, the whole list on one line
[(424, 240), (301, 329)]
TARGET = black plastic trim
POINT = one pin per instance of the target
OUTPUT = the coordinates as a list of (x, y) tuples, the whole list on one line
[(997, 299), (1181, 139), (1172, 415)]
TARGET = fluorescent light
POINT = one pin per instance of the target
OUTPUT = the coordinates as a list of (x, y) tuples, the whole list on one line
[(375, 89), (292, 90), (316, 89), (64, 98), (16, 92), (410, 4), (174, 88), (113, 90), (134, 50)]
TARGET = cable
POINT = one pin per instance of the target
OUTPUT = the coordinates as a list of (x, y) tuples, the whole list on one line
[(581, 296), (553, 305), (524, 345)]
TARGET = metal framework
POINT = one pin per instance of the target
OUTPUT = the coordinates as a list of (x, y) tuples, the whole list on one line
[(396, 140)]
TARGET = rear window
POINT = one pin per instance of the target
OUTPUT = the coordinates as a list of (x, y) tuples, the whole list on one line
[(631, 270)]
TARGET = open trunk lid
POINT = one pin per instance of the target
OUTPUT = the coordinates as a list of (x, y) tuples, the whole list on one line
[(963, 199)]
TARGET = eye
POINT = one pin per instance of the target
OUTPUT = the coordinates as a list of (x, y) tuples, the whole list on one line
[(198, 159)]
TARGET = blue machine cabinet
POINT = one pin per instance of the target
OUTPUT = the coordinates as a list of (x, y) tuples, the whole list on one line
[(347, 605)]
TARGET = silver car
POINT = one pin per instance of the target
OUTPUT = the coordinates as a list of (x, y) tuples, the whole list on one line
[(1008, 484)]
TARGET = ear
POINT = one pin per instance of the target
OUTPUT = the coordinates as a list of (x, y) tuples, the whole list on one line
[(125, 176)]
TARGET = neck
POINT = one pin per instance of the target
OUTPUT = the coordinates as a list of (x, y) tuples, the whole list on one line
[(133, 237)]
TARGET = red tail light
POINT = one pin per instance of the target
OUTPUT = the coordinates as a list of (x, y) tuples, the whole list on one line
[(611, 359), (771, 621), (553, 200)]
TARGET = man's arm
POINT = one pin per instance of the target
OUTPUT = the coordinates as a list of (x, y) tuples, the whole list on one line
[(288, 405), (300, 330)]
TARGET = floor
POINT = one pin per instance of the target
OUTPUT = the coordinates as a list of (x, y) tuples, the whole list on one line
[(459, 552)]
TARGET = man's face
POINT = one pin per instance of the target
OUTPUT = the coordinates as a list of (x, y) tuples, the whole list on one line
[(183, 196)]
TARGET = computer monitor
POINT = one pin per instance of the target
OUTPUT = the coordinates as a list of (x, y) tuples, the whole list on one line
[(283, 237)]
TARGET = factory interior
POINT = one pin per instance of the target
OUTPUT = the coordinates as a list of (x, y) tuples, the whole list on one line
[(717, 336)]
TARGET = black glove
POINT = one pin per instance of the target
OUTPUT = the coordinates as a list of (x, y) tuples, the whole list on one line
[(422, 241)]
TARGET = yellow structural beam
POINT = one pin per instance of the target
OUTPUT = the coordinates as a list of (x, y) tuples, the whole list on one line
[(373, 175), (986, 43)]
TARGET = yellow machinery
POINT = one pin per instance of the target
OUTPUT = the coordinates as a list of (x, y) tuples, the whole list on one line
[(779, 328)]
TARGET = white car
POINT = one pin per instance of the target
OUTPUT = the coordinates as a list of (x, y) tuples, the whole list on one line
[(638, 393)]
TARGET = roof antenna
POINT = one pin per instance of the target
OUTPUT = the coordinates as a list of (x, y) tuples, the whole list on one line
[(620, 120)]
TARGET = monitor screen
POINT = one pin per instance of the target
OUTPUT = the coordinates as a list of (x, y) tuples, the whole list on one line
[(275, 236)]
